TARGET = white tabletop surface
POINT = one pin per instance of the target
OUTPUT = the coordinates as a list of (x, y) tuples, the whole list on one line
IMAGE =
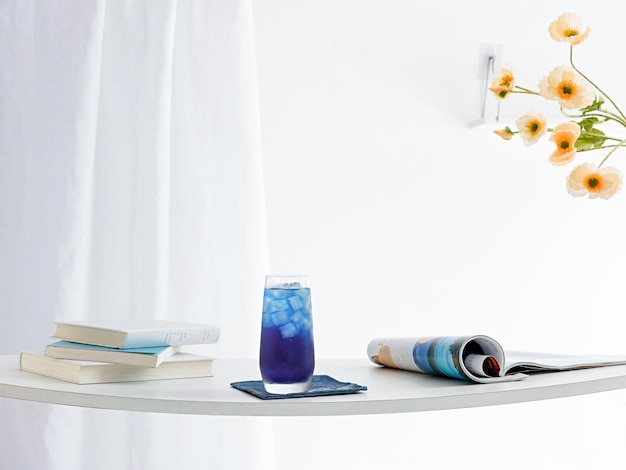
[(389, 391)]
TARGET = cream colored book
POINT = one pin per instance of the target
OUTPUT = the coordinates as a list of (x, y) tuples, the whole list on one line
[(179, 366)]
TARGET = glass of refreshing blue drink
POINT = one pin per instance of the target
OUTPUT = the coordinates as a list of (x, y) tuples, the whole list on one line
[(287, 356)]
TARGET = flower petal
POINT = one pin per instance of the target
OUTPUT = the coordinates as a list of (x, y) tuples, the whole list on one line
[(564, 136), (568, 87), (569, 27), (531, 127), (588, 179), (502, 82)]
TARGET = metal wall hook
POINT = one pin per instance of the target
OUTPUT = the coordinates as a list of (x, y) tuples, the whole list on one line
[(491, 64), (489, 58)]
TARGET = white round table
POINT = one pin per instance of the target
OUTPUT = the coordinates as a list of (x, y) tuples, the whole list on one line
[(389, 390)]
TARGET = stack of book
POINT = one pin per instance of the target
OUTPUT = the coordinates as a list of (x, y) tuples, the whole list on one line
[(123, 351)]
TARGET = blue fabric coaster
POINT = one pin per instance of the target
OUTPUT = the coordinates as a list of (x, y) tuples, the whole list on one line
[(320, 385)]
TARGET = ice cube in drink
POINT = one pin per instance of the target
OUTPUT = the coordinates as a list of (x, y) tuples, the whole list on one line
[(287, 357)]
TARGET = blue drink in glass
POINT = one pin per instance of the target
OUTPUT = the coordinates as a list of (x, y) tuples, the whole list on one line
[(287, 357)]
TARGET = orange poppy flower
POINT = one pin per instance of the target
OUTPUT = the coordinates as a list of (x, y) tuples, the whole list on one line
[(588, 179), (569, 28), (564, 136), (566, 86)]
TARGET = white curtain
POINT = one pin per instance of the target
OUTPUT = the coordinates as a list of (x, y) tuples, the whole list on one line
[(130, 186)]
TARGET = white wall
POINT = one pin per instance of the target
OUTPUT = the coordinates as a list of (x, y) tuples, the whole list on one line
[(407, 219), (410, 222)]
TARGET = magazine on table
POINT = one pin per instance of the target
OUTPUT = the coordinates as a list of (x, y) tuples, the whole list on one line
[(475, 358)]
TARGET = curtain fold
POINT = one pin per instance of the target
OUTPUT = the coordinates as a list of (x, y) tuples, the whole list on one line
[(130, 186)]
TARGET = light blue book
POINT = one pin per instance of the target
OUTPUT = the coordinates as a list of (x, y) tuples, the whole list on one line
[(148, 357)]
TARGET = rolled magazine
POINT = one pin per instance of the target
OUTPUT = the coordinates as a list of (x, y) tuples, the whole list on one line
[(475, 358)]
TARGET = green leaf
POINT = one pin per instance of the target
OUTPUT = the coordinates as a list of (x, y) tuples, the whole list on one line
[(595, 106), (590, 139), (588, 123)]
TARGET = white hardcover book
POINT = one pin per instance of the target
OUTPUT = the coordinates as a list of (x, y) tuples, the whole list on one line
[(125, 334)]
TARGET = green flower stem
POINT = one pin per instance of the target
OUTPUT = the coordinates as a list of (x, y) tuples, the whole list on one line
[(604, 147), (571, 61), (609, 116), (621, 144), (523, 91), (606, 115), (595, 148), (602, 136)]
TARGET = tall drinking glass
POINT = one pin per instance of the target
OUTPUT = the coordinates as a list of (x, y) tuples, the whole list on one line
[(287, 356)]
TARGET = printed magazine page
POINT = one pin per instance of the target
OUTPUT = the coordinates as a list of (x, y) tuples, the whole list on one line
[(476, 358)]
